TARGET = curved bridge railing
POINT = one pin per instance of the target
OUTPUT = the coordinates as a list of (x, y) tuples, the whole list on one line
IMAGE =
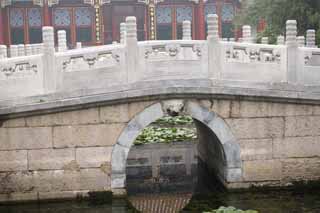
[(39, 69)]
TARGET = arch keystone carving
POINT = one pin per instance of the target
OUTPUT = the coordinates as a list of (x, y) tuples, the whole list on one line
[(173, 107)]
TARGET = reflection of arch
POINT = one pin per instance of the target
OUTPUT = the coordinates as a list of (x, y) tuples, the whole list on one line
[(232, 166)]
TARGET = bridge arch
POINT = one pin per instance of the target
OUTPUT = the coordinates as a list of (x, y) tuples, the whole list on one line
[(230, 167)]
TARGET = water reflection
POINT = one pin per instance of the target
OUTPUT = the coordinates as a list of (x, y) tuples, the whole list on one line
[(264, 202)]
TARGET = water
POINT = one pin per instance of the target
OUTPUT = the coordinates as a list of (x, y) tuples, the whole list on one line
[(278, 201), (295, 201)]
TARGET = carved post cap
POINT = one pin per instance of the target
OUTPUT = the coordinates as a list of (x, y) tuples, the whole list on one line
[(131, 27), (186, 30), (301, 41), (28, 49), (3, 51), (246, 33), (291, 32), (40, 48), (48, 36), (122, 26), (123, 29), (213, 26), (280, 40), (62, 40), (13, 51), (264, 40), (311, 38), (79, 45), (21, 50)]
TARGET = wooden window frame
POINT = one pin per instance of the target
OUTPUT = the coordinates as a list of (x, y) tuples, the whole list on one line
[(25, 9), (73, 27), (174, 22), (115, 29)]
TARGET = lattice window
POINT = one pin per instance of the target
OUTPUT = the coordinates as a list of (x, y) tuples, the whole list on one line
[(184, 13), (209, 9), (164, 15), (62, 17), (16, 17), (227, 12), (83, 16), (34, 17)]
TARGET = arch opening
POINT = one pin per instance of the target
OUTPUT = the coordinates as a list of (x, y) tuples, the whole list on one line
[(218, 151)]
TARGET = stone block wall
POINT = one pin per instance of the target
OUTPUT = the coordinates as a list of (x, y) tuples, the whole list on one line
[(279, 142), (62, 155)]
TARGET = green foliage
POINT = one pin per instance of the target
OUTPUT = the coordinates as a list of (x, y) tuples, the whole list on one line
[(230, 210), (165, 135), (277, 12), (270, 33), (163, 130), (178, 120)]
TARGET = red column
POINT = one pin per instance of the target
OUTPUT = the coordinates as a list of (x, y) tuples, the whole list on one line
[(46, 14), (201, 21), (1, 27)]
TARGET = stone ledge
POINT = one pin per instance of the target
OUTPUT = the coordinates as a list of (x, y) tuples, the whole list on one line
[(42, 196), (18, 197), (63, 195), (153, 90)]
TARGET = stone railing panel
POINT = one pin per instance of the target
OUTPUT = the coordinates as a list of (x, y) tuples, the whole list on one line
[(253, 62), (309, 65), (21, 76), (173, 59), (93, 67)]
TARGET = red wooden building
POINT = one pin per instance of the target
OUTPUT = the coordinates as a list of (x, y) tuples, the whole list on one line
[(95, 22)]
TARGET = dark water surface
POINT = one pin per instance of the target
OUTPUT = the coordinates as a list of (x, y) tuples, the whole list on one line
[(265, 202)]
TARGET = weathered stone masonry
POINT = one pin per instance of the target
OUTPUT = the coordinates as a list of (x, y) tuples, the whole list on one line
[(62, 154), (68, 153), (255, 93)]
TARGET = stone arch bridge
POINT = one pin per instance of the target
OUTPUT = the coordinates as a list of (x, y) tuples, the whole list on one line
[(69, 117)]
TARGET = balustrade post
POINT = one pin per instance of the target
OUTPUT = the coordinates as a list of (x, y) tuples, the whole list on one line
[(49, 71), (40, 48), (3, 51), (132, 49), (21, 50), (311, 38), (62, 40), (301, 41), (186, 30), (264, 40), (34, 49), (292, 50), (246, 34), (79, 45), (13, 51), (214, 56), (123, 33), (280, 40), (28, 49)]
